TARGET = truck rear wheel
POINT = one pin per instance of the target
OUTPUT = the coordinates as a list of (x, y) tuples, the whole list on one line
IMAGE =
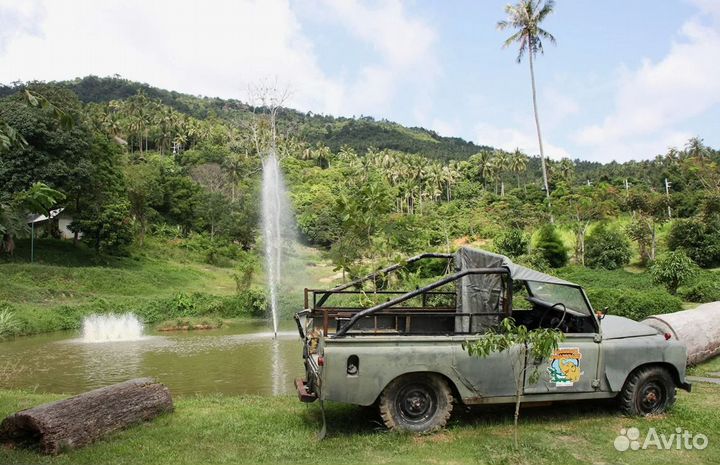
[(648, 391), (417, 403)]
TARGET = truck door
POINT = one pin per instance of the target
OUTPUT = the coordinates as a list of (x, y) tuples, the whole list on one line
[(573, 367), (489, 376)]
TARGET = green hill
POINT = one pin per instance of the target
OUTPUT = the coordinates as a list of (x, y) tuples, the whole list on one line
[(335, 132)]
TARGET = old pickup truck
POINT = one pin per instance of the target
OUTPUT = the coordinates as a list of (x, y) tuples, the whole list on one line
[(403, 351)]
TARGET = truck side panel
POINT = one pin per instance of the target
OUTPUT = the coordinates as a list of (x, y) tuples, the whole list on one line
[(624, 355), (379, 363)]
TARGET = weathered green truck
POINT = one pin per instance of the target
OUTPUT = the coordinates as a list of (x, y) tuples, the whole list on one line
[(403, 351)]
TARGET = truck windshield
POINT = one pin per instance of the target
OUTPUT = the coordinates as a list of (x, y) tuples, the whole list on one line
[(572, 297)]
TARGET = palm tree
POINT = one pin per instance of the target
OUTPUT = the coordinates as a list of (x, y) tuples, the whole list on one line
[(492, 173), (502, 163), (525, 18), (451, 173), (518, 164), (482, 159), (672, 157), (566, 169), (696, 149), (347, 154)]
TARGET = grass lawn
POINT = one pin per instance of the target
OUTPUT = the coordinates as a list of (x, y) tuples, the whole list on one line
[(233, 430)]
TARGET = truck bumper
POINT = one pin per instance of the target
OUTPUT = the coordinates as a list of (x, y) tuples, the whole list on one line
[(303, 394)]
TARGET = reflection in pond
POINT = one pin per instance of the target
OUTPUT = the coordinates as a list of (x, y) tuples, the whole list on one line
[(242, 359)]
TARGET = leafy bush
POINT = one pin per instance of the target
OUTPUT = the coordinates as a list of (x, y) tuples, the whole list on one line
[(244, 271), (673, 269), (535, 260), (607, 248), (248, 303), (551, 246), (513, 243), (251, 302), (108, 230), (215, 251), (636, 305), (705, 288), (698, 238)]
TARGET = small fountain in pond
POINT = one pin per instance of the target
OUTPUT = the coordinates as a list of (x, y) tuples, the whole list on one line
[(108, 328), (275, 213)]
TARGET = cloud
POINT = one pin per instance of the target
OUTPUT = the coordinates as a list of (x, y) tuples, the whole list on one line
[(510, 139), (187, 46), (710, 7), (17, 20), (405, 49), (215, 49), (445, 127), (639, 148), (560, 106), (653, 100)]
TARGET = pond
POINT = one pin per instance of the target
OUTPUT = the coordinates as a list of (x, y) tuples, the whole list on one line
[(239, 359)]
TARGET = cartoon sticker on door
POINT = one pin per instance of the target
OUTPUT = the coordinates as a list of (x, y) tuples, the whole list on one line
[(564, 366)]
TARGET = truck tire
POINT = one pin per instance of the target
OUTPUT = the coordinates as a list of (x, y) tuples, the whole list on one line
[(417, 403), (648, 391)]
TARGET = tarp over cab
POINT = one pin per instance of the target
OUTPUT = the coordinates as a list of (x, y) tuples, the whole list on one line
[(483, 293)]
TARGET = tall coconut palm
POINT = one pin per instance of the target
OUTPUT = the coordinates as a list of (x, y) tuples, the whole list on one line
[(451, 173), (518, 164), (502, 164), (482, 160), (525, 18)]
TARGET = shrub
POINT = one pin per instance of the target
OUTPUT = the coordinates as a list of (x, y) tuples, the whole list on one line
[(636, 305), (703, 289), (244, 271), (607, 248), (673, 269), (215, 251), (252, 302), (535, 260), (551, 247), (247, 303), (697, 238), (513, 243)]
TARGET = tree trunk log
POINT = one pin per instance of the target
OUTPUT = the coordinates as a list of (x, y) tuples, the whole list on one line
[(698, 329), (80, 420)]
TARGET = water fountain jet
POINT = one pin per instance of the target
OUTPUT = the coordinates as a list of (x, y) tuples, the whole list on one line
[(274, 210), (107, 328)]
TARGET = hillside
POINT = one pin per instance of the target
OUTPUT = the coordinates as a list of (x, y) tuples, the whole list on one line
[(334, 132)]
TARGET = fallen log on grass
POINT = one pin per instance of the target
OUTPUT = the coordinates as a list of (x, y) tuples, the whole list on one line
[(698, 329), (80, 420)]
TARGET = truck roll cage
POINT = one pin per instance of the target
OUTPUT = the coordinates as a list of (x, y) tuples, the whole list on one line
[(446, 280), (424, 318)]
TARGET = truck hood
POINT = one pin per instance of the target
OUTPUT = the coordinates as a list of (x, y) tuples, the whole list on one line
[(618, 327)]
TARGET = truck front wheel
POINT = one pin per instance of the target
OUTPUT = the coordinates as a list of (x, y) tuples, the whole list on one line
[(417, 403), (647, 391)]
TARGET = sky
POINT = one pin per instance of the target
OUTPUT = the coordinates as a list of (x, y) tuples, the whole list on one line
[(626, 80)]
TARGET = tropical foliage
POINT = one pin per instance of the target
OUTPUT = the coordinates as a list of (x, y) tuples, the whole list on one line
[(139, 161)]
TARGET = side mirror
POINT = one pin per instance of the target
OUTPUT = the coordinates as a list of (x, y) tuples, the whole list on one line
[(601, 313)]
